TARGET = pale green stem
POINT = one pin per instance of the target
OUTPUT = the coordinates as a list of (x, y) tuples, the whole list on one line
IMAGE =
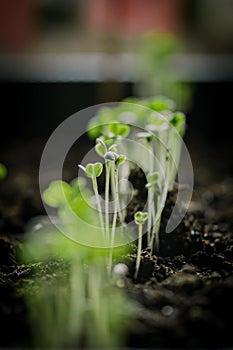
[(149, 222), (114, 219), (156, 225), (150, 196), (174, 164), (95, 187), (139, 250), (113, 186), (121, 216), (160, 204), (107, 180)]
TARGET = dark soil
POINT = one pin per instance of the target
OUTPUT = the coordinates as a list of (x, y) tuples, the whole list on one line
[(183, 295)]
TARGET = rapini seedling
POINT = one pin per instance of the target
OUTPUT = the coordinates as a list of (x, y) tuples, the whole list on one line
[(3, 171), (93, 171), (112, 163), (139, 219)]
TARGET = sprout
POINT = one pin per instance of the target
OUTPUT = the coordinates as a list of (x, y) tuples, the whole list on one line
[(100, 147), (112, 156), (161, 103), (118, 130), (153, 188), (120, 160), (139, 219), (113, 161), (178, 122), (3, 171), (94, 170), (154, 178), (55, 194)]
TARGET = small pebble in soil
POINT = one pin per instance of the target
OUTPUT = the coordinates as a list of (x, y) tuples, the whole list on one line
[(167, 310)]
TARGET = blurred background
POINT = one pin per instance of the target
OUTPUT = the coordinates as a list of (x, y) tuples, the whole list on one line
[(59, 56)]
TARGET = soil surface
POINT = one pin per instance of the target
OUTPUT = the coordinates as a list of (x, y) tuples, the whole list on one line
[(183, 295)]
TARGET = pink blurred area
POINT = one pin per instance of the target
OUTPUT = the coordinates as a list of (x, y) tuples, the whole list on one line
[(17, 24), (123, 17)]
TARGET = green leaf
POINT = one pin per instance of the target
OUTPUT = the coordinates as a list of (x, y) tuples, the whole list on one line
[(161, 103), (178, 122), (113, 148), (140, 217), (119, 129), (3, 171), (94, 169), (120, 160), (94, 129), (57, 193), (100, 147), (153, 178), (78, 184)]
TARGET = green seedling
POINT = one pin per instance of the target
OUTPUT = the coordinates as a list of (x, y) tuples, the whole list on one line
[(139, 219), (94, 170), (154, 187), (3, 171), (111, 157), (157, 70), (57, 193), (113, 161), (108, 129)]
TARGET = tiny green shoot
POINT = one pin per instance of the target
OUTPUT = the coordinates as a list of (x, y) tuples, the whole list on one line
[(3, 171), (139, 218), (94, 170)]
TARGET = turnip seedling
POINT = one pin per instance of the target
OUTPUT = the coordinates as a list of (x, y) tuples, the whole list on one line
[(153, 190), (113, 161), (3, 171), (139, 219), (110, 156), (94, 170)]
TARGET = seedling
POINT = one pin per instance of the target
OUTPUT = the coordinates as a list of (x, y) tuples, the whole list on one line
[(112, 159), (94, 170), (154, 190), (3, 171), (115, 161), (139, 219)]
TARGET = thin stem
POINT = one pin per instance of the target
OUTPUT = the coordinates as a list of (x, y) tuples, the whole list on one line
[(156, 225), (150, 195), (121, 215), (95, 187), (114, 218), (113, 188), (149, 222), (139, 250), (107, 180)]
